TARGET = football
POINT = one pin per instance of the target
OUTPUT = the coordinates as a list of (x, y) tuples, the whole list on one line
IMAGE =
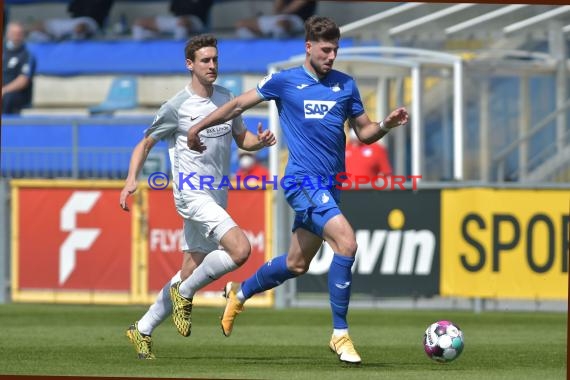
[(443, 341)]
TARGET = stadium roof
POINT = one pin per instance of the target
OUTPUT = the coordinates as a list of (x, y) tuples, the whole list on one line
[(425, 21)]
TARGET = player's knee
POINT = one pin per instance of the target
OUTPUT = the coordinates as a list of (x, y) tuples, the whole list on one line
[(299, 270), (241, 253), (353, 248), (348, 247), (298, 267)]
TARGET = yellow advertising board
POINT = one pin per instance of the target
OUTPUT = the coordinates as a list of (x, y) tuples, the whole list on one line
[(505, 243)]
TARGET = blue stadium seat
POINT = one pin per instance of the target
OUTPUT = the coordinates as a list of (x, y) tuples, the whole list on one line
[(122, 96), (234, 83)]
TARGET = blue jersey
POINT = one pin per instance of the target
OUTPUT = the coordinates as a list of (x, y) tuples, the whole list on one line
[(312, 113)]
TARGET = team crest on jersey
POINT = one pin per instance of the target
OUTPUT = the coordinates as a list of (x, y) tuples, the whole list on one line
[(317, 109), (335, 87), (216, 130)]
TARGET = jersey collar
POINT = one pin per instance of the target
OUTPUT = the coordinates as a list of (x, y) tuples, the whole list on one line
[(192, 93), (316, 78)]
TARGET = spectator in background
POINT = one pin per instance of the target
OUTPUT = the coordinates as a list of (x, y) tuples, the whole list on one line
[(367, 160), (18, 69), (288, 19), (248, 165), (87, 20), (188, 17)]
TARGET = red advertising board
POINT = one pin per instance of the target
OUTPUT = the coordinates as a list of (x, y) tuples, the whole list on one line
[(247, 208), (72, 240)]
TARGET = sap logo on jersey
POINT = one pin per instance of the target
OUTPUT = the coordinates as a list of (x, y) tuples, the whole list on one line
[(317, 109)]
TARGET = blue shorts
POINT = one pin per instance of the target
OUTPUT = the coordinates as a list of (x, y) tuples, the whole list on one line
[(314, 207)]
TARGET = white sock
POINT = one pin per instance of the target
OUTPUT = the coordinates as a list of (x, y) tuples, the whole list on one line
[(240, 296), (339, 332), (215, 265), (159, 310)]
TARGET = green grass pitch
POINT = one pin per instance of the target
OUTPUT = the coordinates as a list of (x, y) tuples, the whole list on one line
[(287, 344)]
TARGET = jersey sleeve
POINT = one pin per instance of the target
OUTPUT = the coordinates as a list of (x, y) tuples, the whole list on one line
[(269, 88), (165, 123), (356, 107)]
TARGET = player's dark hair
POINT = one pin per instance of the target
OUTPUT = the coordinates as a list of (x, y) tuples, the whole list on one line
[(197, 43), (319, 28)]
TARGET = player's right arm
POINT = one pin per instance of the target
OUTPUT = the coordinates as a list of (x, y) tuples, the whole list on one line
[(165, 124), (228, 111), (138, 158)]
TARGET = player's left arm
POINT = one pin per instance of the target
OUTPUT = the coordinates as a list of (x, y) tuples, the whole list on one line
[(369, 131), (251, 142)]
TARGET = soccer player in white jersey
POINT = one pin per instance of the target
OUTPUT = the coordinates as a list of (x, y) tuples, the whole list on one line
[(313, 102), (213, 244)]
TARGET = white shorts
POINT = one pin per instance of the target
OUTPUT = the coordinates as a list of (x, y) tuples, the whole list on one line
[(205, 223), (65, 28), (268, 24)]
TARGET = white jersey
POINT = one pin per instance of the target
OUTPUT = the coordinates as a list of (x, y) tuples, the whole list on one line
[(197, 175)]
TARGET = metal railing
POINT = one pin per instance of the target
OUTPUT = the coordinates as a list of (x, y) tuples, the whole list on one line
[(81, 154), (547, 152)]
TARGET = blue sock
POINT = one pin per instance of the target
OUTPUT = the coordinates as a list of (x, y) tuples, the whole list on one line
[(272, 273), (340, 279)]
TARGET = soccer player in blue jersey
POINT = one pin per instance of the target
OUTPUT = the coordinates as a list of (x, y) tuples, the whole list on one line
[(313, 102)]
